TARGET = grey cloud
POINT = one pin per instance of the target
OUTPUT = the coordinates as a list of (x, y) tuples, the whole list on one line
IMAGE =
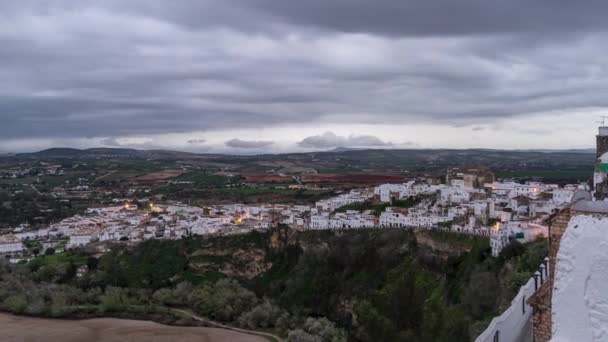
[(382, 17), (110, 141), (238, 143), (330, 139), (196, 141), (119, 69)]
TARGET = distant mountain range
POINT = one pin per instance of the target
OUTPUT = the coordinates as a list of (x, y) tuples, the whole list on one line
[(580, 150), (562, 165), (74, 153), (69, 153)]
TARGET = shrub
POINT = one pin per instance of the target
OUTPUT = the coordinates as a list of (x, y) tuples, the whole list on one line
[(15, 304)]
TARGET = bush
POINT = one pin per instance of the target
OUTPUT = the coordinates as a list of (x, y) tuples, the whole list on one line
[(300, 335), (163, 296), (514, 249), (16, 304), (114, 299), (317, 330), (264, 316), (225, 300)]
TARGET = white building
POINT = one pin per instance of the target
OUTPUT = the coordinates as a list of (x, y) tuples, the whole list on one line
[(83, 237), (207, 225), (349, 220), (334, 203), (388, 191), (10, 244), (453, 195), (393, 219), (562, 196)]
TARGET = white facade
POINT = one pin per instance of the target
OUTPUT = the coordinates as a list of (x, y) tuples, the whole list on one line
[(413, 219), (562, 196), (9, 244), (453, 195), (457, 183), (405, 190), (83, 237), (345, 199), (348, 220)]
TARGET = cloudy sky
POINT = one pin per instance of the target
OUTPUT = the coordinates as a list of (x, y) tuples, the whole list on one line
[(251, 76)]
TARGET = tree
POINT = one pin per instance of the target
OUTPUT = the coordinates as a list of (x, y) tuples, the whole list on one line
[(49, 251), (480, 294), (92, 263), (264, 316)]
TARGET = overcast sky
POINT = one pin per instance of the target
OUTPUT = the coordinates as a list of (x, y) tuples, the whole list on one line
[(250, 76)]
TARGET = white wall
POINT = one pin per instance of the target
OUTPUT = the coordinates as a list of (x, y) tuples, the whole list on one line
[(515, 324)]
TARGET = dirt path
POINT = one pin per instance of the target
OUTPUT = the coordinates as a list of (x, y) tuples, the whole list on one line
[(267, 336), (27, 329), (102, 176)]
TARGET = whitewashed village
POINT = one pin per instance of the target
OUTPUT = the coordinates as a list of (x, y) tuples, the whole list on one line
[(471, 201)]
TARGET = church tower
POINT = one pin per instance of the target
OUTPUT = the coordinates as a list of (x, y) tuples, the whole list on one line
[(600, 177)]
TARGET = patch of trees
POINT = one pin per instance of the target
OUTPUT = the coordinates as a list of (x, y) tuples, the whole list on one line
[(32, 207), (378, 207)]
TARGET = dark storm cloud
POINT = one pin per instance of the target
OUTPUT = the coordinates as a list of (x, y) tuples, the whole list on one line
[(238, 143), (124, 68), (440, 17)]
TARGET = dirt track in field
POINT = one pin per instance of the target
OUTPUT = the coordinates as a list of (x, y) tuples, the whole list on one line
[(27, 329)]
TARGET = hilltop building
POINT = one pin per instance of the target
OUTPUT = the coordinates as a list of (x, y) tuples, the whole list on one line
[(470, 177)]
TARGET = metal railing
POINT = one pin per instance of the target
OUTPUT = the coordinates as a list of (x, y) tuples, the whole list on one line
[(515, 322)]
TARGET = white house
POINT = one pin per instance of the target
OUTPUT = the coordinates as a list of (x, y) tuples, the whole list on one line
[(392, 219), (561, 196), (9, 244), (453, 195), (83, 237)]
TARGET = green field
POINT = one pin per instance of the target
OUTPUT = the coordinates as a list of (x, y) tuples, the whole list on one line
[(48, 180), (204, 179), (572, 175), (19, 181), (120, 176)]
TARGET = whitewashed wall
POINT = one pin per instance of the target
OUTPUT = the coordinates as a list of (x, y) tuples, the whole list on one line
[(515, 324)]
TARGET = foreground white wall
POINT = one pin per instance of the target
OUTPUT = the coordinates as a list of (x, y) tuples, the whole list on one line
[(515, 324), (580, 291)]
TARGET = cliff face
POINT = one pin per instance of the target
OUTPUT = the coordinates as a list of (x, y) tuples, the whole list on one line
[(241, 258), (232, 262), (446, 245)]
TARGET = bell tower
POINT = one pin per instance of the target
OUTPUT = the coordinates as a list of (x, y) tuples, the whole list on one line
[(600, 181), (602, 141)]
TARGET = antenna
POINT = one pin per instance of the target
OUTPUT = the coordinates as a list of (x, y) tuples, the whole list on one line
[(603, 119)]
